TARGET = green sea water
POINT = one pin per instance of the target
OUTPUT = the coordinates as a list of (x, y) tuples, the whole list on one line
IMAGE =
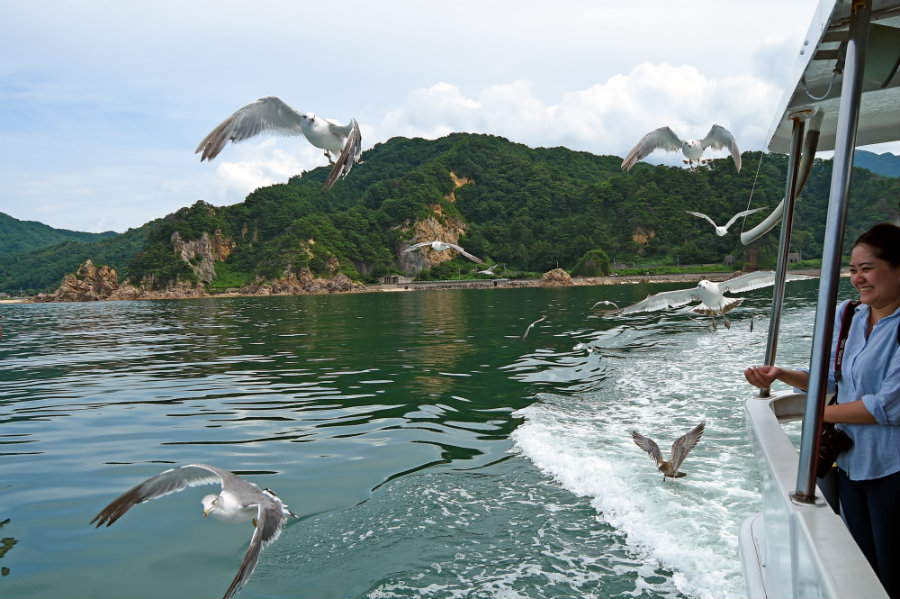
[(428, 449)]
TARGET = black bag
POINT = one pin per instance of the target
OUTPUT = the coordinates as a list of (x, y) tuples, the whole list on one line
[(832, 442)]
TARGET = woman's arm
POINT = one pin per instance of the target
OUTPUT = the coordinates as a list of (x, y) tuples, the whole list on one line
[(764, 376), (854, 412)]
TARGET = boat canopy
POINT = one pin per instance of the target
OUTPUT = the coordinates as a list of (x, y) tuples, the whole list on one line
[(819, 70)]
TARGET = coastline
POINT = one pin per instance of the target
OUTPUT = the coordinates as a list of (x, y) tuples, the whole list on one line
[(498, 283)]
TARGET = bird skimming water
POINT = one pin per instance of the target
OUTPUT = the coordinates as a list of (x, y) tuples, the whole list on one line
[(711, 295), (272, 115), (680, 448), (721, 231), (239, 501), (665, 139)]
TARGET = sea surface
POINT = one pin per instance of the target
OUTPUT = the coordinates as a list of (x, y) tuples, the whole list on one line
[(429, 450)]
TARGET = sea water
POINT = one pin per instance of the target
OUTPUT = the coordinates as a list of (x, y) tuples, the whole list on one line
[(429, 450)]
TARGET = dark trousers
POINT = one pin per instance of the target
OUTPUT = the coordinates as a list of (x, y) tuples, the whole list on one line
[(870, 509)]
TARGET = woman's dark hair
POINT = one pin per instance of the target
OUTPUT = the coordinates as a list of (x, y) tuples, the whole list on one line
[(884, 238)]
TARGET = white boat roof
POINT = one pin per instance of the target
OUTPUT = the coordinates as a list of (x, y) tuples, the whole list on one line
[(814, 77)]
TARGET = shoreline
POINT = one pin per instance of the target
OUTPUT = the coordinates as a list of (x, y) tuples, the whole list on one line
[(498, 283)]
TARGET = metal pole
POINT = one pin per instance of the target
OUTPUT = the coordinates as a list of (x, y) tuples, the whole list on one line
[(784, 245), (845, 141)]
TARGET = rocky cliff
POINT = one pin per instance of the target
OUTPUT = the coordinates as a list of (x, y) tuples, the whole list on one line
[(92, 283), (202, 254), (434, 227)]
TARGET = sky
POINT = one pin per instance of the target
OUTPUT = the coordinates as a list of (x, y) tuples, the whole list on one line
[(102, 103)]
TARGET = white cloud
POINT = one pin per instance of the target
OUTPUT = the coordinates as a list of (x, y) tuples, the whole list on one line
[(606, 118)]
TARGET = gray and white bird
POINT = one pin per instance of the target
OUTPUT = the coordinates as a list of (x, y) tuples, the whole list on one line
[(710, 295), (440, 246), (723, 230), (272, 115), (665, 139), (239, 501), (680, 448)]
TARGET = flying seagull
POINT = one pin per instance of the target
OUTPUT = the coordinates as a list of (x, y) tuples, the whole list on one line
[(440, 246), (239, 501), (272, 115), (606, 303), (710, 295), (489, 270), (721, 231), (665, 139), (531, 326), (680, 448)]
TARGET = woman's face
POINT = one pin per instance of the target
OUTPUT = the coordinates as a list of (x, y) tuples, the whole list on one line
[(877, 280)]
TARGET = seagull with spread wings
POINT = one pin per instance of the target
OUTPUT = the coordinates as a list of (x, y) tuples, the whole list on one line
[(680, 448), (239, 501), (665, 139), (710, 295), (440, 246), (721, 231), (273, 115)]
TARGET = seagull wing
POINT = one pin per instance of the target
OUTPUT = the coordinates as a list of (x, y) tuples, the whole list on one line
[(349, 156), (753, 280), (739, 215), (466, 254), (664, 299), (266, 115), (416, 246), (719, 137), (648, 445), (701, 215), (659, 139), (269, 521), (170, 481), (684, 444)]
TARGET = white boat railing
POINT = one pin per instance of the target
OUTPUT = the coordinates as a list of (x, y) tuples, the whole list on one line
[(791, 548)]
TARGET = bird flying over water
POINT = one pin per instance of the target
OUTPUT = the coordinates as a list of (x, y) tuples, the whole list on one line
[(489, 270), (665, 139), (710, 295), (531, 326), (606, 303), (721, 231), (239, 501), (440, 246), (680, 448), (272, 115)]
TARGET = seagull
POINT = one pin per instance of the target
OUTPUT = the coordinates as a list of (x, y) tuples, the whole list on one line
[(440, 246), (273, 115), (606, 303), (710, 294), (721, 231), (528, 330), (665, 139), (239, 501), (680, 448), (489, 270)]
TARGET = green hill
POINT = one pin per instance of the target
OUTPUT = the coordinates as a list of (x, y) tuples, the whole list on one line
[(21, 236), (528, 208)]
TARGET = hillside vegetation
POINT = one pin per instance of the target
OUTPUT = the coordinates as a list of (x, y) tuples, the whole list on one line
[(529, 209)]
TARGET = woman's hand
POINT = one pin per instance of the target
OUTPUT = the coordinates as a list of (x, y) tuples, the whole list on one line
[(762, 376)]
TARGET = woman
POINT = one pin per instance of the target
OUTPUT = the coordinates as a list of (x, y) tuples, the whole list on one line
[(868, 402)]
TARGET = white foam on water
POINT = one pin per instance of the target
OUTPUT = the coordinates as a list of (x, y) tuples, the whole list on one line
[(663, 389)]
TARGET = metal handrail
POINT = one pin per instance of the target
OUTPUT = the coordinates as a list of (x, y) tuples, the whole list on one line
[(845, 142)]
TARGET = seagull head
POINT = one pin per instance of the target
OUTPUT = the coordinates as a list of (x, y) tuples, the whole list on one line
[(210, 503)]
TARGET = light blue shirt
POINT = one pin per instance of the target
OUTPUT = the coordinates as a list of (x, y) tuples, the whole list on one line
[(871, 372)]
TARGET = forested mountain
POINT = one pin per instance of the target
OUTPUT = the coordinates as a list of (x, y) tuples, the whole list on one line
[(886, 165), (21, 236), (530, 209)]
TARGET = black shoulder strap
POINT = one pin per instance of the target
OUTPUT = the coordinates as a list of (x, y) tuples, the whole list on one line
[(849, 311)]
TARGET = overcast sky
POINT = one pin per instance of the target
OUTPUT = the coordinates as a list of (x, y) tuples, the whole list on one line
[(103, 103)]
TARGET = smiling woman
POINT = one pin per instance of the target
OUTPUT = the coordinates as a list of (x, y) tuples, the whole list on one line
[(868, 400)]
